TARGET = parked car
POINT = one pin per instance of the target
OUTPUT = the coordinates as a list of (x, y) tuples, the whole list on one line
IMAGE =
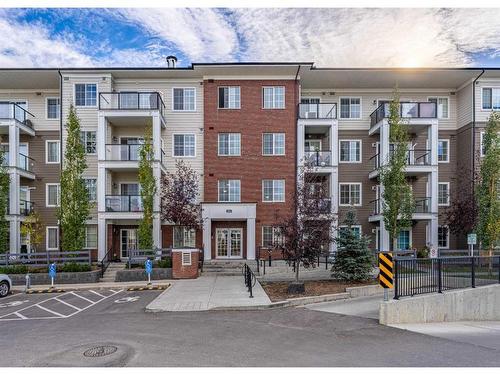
[(5, 285)]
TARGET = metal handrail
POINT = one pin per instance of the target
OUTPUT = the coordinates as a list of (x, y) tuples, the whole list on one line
[(160, 105), (12, 113), (105, 262), (124, 203), (249, 278), (382, 111), (318, 158), (25, 207)]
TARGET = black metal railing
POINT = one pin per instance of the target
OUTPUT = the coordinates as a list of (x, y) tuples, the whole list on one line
[(406, 110), (318, 158), (422, 205), (123, 152), (124, 203), (44, 258), (249, 278), (24, 162), (105, 261), (434, 275), (320, 206), (131, 100), (25, 207), (137, 256), (13, 111), (318, 111), (413, 157)]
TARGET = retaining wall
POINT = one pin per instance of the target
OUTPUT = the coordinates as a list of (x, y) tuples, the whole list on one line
[(140, 274), (61, 278)]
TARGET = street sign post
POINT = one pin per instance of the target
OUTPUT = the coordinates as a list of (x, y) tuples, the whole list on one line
[(385, 275), (52, 273), (148, 265), (471, 241)]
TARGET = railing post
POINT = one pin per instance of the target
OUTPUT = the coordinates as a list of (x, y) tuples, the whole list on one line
[(473, 273), (395, 275), (48, 257), (440, 286)]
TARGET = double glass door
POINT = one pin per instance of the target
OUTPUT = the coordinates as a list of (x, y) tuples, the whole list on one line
[(128, 241), (229, 242)]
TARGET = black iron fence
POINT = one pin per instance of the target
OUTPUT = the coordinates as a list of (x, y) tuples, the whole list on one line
[(140, 256), (414, 276), (46, 257), (318, 158), (249, 278)]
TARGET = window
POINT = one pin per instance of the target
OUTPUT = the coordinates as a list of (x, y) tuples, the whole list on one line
[(229, 144), (444, 194), (273, 144), (442, 106), (52, 238), (443, 237), (404, 240), (186, 259), (229, 97), (273, 190), (184, 99), (53, 108), (273, 97), (91, 186), (350, 108), (89, 141), (229, 190), (271, 236), (350, 151), (491, 98), (350, 194), (85, 94), (52, 149), (91, 237), (184, 145), (343, 230), (52, 195), (443, 151), (184, 237)]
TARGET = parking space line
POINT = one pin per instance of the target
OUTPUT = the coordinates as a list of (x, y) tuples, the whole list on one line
[(67, 304), (20, 315), (51, 311), (97, 294), (86, 299)]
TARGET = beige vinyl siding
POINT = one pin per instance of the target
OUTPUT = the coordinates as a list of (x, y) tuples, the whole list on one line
[(464, 106)]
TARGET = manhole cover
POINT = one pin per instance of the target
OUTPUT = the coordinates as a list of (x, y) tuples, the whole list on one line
[(100, 351)]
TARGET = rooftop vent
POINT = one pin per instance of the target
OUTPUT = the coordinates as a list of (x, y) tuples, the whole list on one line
[(171, 61)]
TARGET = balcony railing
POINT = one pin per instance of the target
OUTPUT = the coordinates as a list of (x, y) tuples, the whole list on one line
[(318, 111), (406, 110), (414, 157), (320, 206), (25, 207), (24, 162), (124, 203), (13, 111), (131, 101), (422, 206), (123, 152), (318, 158)]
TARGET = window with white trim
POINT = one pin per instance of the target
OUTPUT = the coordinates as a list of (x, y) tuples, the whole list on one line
[(53, 108), (91, 237), (350, 194), (404, 240), (229, 144), (52, 238), (443, 237), (443, 151), (89, 141), (273, 190), (52, 152), (350, 151), (271, 236), (491, 98), (343, 230), (444, 194), (85, 95), (91, 186), (184, 237), (52, 194), (229, 97), (350, 108), (184, 99), (186, 258), (229, 190), (273, 144), (442, 104), (273, 97), (184, 145)]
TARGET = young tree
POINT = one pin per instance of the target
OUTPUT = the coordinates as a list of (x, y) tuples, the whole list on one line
[(32, 229), (179, 197), (4, 204), (74, 204), (354, 260), (397, 198), (148, 190), (306, 233), (488, 191)]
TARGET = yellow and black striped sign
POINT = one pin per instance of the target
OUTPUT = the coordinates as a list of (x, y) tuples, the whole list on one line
[(385, 265)]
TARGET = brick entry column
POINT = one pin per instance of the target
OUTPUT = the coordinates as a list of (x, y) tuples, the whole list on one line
[(185, 263)]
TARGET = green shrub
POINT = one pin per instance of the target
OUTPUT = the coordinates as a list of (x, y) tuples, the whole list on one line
[(16, 269), (164, 263), (423, 253), (74, 267)]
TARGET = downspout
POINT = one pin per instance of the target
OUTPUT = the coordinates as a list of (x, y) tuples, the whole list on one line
[(60, 145), (474, 130), (297, 100)]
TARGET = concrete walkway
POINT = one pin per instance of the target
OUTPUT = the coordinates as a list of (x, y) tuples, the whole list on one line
[(364, 307), (207, 293)]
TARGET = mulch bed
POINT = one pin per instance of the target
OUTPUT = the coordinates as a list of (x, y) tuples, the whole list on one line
[(277, 291)]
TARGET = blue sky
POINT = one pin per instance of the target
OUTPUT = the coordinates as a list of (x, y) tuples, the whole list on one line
[(329, 37)]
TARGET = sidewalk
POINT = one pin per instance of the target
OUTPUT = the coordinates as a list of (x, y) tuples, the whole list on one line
[(107, 285), (207, 293)]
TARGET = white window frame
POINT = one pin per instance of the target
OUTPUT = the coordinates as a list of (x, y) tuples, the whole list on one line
[(448, 190), (273, 200), (184, 231), (482, 104), (47, 108), (447, 237), (47, 194), (47, 237), (229, 96), (91, 178), (274, 144), (47, 151), (410, 237), (353, 226), (447, 148), (173, 146), (360, 150), (274, 97), (228, 148), (186, 258), (86, 237), (360, 108), (96, 94), (229, 187), (183, 103), (85, 140), (437, 106), (360, 194), (274, 234)]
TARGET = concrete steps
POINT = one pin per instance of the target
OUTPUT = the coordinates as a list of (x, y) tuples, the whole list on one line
[(226, 267), (110, 274)]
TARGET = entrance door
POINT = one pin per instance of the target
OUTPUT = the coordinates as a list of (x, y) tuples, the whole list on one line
[(229, 243), (128, 241)]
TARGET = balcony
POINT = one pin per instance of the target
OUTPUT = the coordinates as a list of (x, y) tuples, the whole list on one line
[(318, 158), (132, 101), (117, 152), (124, 203), (407, 110), (318, 111), (25, 207), (13, 111), (422, 206), (320, 206), (417, 162), (24, 162)]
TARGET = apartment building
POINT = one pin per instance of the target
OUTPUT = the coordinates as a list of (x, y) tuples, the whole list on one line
[(245, 128)]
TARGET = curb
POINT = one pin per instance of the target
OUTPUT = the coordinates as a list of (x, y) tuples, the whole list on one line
[(39, 291), (151, 287)]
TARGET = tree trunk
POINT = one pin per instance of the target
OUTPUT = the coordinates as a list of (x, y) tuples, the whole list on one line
[(297, 264)]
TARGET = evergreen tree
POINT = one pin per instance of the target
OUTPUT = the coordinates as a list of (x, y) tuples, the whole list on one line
[(354, 260), (4, 204), (148, 190), (74, 204)]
